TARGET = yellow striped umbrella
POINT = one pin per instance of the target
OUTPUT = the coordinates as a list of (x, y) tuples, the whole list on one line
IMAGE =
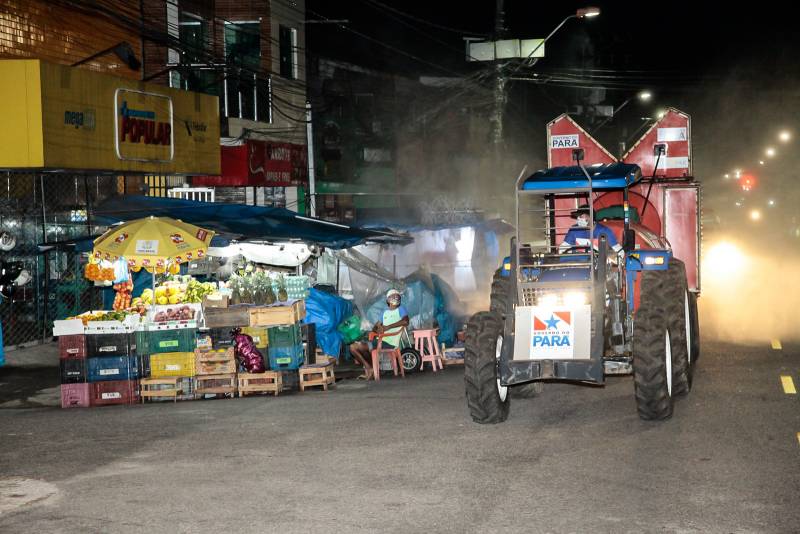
[(153, 242)]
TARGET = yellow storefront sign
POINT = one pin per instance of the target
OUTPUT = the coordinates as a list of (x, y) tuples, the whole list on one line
[(59, 117)]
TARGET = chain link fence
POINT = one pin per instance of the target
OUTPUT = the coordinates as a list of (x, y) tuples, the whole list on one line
[(49, 208)]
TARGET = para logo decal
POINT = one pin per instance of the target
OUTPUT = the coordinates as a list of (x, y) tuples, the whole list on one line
[(553, 333)]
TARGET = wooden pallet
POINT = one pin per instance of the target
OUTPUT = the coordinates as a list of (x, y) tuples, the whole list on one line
[(452, 352), (221, 384), (320, 374), (266, 382), (152, 388)]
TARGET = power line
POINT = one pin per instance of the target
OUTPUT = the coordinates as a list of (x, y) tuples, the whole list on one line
[(428, 22)]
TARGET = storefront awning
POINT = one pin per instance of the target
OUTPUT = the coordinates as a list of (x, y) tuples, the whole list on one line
[(244, 223)]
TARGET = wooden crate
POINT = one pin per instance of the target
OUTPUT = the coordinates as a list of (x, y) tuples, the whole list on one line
[(222, 384), (453, 356), (278, 315), (215, 362), (319, 374), (230, 316), (167, 387), (266, 382)]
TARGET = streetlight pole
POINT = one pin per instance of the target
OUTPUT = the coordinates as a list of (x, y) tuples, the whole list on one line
[(499, 80), (500, 76)]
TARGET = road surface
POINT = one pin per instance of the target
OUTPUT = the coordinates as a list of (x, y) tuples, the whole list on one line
[(403, 456)]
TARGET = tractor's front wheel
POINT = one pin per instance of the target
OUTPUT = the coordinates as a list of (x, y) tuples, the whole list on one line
[(499, 297), (653, 354), (487, 399)]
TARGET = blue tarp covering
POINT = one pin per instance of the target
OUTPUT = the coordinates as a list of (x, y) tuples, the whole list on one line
[(240, 221), (428, 301), (326, 311), (611, 176)]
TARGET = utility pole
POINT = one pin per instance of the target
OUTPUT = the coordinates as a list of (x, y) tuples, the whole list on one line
[(499, 80), (312, 187)]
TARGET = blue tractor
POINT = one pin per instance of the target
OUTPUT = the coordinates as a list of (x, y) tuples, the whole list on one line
[(614, 301)]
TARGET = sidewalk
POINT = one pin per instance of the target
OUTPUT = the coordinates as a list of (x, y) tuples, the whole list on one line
[(30, 378)]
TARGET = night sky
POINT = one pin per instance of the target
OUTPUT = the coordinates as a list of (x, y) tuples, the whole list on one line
[(734, 70)]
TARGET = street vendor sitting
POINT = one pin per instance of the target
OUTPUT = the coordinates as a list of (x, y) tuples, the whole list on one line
[(394, 319)]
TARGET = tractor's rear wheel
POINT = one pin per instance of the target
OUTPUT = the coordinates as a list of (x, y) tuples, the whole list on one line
[(500, 293), (527, 390), (694, 352), (487, 399), (653, 354), (677, 308)]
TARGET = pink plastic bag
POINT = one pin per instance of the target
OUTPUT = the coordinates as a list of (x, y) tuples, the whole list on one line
[(247, 354)]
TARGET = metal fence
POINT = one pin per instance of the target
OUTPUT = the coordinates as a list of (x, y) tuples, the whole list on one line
[(50, 207)]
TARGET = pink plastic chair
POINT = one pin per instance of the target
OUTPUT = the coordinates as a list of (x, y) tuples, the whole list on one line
[(393, 354), (427, 346)]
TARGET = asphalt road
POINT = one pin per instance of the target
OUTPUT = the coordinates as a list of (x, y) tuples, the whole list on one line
[(403, 456)]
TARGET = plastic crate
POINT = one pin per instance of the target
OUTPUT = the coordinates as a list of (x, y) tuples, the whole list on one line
[(72, 347), (259, 335), (284, 336), (173, 340), (75, 396), (282, 358), (112, 368), (73, 371), (102, 345), (114, 392), (221, 338), (172, 364)]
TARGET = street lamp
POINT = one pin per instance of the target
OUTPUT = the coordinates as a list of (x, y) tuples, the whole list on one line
[(644, 96), (770, 151), (785, 136), (584, 12)]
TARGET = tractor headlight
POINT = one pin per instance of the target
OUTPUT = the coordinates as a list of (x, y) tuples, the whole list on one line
[(548, 300), (575, 298)]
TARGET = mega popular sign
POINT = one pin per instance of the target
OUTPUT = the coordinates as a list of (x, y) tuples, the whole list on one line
[(143, 126), (60, 117)]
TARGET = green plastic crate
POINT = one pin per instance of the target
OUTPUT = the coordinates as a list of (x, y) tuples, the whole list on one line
[(173, 340), (284, 336)]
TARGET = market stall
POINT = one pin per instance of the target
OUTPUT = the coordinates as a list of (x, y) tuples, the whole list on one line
[(182, 337)]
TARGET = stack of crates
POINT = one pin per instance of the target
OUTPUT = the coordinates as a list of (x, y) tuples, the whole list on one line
[(285, 347), (297, 287), (112, 368), (72, 359), (168, 351)]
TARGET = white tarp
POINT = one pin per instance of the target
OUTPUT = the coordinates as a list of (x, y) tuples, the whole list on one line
[(281, 255)]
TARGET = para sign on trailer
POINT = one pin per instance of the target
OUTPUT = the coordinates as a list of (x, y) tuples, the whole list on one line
[(564, 135)]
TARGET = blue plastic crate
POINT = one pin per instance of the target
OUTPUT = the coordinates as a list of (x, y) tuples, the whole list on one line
[(281, 358), (112, 368)]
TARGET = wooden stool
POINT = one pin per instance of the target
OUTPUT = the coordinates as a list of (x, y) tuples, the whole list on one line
[(266, 382), (318, 374), (223, 384), (153, 387)]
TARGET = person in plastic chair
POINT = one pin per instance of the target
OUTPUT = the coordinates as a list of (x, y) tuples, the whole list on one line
[(578, 234), (395, 317)]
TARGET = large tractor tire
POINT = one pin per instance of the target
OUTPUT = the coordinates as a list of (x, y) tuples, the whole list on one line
[(487, 400), (527, 390), (677, 307), (500, 294), (694, 343), (653, 348)]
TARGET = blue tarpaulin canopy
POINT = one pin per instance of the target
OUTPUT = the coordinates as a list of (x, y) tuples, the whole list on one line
[(242, 222)]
